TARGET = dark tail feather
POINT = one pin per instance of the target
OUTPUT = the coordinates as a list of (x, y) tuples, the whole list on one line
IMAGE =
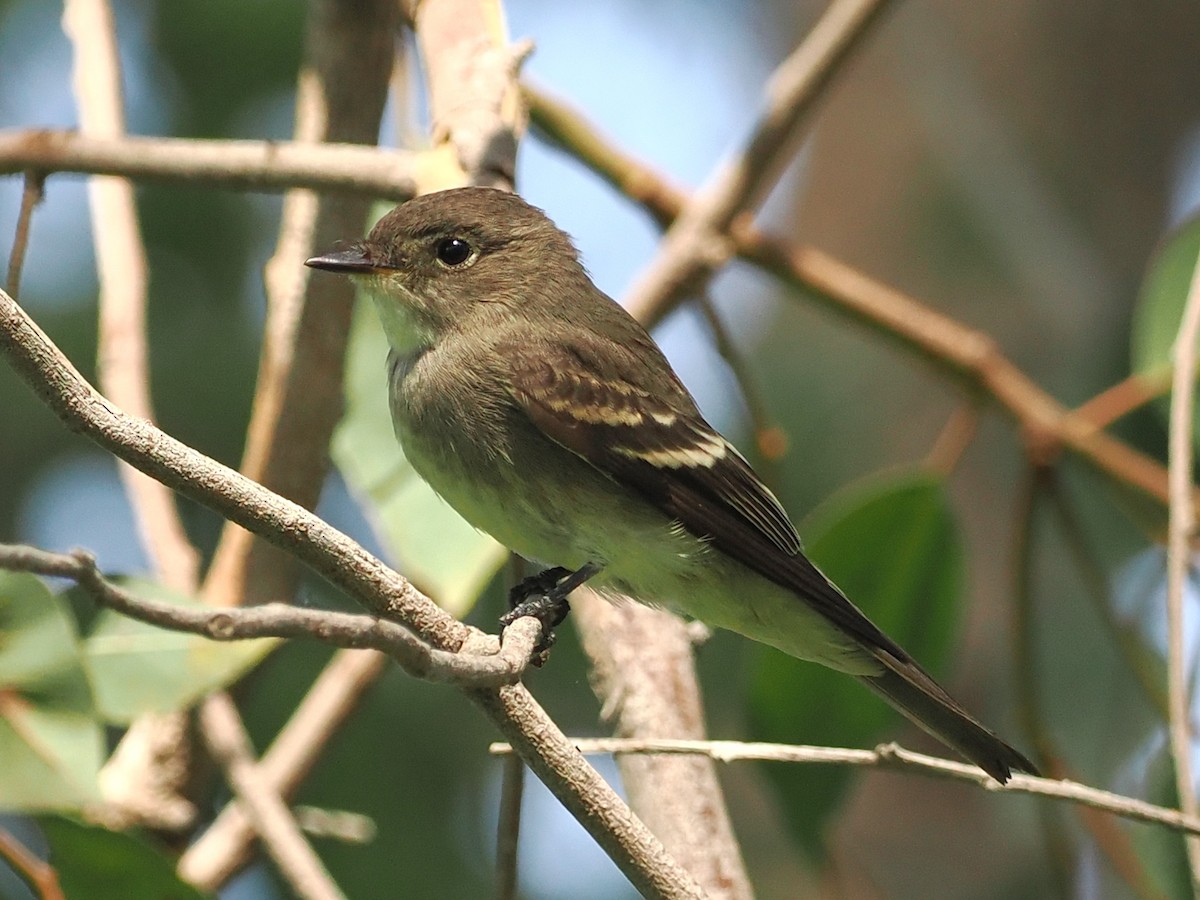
[(908, 688)]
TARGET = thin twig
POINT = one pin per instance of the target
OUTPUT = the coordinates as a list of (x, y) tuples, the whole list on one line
[(954, 439), (508, 828), (279, 620), (1181, 527), (340, 95), (31, 196), (147, 774), (770, 439), (123, 366), (238, 165), (230, 746), (342, 87), (348, 566), (696, 244), (953, 348), (226, 844), (894, 757), (335, 824), (1125, 396), (36, 872)]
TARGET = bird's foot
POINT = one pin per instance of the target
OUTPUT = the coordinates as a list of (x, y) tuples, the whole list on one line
[(544, 596)]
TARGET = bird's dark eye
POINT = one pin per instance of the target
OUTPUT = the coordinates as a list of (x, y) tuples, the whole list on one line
[(453, 251)]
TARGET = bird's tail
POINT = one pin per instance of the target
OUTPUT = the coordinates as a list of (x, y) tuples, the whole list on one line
[(911, 690)]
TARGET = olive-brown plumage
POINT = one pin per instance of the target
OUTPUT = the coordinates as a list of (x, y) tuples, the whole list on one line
[(547, 416)]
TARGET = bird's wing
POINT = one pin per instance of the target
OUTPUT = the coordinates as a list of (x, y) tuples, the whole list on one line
[(657, 444)]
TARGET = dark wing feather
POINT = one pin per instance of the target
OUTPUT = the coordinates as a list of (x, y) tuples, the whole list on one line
[(659, 445)]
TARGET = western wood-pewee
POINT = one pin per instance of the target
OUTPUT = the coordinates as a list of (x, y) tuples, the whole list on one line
[(547, 417)]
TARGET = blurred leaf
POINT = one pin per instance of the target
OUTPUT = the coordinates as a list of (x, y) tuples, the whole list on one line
[(137, 668), (1159, 311), (50, 742), (439, 551), (98, 864), (1162, 296), (893, 547)]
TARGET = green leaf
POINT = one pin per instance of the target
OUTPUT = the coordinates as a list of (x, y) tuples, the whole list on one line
[(137, 668), (894, 549), (99, 864), (436, 548), (1162, 297), (51, 745)]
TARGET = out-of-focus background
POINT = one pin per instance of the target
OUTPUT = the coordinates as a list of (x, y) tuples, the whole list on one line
[(1013, 165)]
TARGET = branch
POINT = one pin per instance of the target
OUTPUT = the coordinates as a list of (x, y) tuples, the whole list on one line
[(508, 828), (146, 776), (348, 566), (894, 757), (348, 57), (240, 165), (1122, 398), (230, 746), (31, 195), (38, 874), (480, 664), (225, 845), (474, 101), (696, 244), (123, 366), (343, 82), (1181, 529), (644, 674), (952, 347)]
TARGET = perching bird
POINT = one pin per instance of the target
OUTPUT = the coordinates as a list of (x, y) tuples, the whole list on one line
[(548, 418)]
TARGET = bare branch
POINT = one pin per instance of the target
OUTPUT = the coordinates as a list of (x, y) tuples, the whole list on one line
[(146, 776), (644, 674), (230, 746), (894, 757), (1122, 398), (1181, 529), (482, 664), (39, 874), (225, 845), (508, 828), (953, 348), (348, 566), (123, 366), (31, 196), (696, 243), (954, 439), (349, 54), (474, 100), (239, 165)]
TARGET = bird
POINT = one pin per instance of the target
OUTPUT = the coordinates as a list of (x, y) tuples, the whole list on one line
[(548, 417)]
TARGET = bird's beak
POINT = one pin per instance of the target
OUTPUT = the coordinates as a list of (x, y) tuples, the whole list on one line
[(348, 262)]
